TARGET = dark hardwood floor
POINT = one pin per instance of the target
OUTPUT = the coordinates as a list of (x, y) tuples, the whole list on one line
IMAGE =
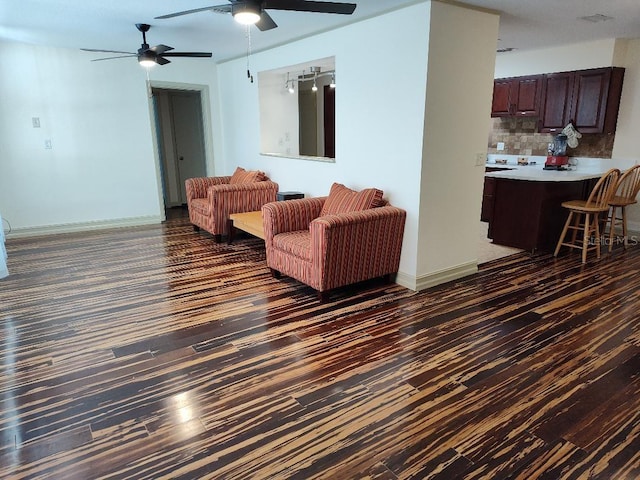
[(152, 352)]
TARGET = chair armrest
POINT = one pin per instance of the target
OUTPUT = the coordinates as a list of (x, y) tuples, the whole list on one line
[(356, 246), (197, 187), (238, 198), (290, 215)]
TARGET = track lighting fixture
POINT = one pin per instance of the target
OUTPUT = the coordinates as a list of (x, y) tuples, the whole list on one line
[(303, 76), (289, 84)]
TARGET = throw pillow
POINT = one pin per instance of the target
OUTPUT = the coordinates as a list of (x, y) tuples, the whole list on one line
[(247, 176), (342, 199)]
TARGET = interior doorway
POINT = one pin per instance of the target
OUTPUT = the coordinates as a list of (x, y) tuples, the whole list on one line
[(181, 143)]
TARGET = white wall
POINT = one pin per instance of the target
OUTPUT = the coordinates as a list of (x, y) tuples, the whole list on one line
[(563, 58), (462, 48), (627, 142), (381, 71), (102, 166)]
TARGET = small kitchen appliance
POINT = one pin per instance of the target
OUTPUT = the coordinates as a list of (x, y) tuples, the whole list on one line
[(557, 158)]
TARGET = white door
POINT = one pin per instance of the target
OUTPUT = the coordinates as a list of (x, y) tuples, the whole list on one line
[(188, 137)]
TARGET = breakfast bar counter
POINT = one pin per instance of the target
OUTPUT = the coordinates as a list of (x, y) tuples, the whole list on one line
[(523, 203)]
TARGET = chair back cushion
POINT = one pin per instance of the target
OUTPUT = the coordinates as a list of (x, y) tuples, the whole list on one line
[(247, 176), (344, 200)]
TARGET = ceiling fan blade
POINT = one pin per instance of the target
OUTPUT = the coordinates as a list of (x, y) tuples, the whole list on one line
[(162, 60), (214, 8), (111, 58), (160, 49), (310, 6), (105, 51), (265, 22), (188, 54)]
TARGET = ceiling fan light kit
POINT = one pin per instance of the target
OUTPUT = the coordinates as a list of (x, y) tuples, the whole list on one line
[(146, 60), (246, 13)]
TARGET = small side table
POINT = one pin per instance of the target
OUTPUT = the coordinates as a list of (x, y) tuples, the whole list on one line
[(289, 196)]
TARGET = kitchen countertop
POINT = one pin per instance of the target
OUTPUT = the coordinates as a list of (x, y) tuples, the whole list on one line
[(536, 173), (583, 169)]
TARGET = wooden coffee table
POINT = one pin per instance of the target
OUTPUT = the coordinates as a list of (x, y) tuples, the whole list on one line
[(250, 222)]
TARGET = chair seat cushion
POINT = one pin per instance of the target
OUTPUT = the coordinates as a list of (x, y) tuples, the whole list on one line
[(201, 206), (297, 243), (342, 199)]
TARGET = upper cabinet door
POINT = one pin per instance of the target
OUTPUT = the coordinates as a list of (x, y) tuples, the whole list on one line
[(528, 98), (557, 91), (596, 99), (518, 96), (503, 97)]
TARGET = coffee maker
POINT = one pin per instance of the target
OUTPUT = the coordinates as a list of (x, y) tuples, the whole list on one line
[(557, 158)]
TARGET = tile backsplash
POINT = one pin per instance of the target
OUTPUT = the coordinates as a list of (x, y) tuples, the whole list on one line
[(520, 138)]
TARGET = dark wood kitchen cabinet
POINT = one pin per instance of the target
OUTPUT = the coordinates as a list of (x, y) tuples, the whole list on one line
[(487, 199), (487, 194), (516, 96), (557, 89), (588, 98), (529, 214)]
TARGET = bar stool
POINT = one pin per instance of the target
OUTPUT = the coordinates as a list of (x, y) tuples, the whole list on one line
[(625, 195), (587, 215)]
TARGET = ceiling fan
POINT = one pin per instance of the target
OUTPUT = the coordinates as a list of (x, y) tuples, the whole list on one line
[(250, 12), (149, 56)]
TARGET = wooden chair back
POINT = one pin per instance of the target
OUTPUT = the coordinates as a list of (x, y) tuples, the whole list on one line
[(629, 184), (604, 190)]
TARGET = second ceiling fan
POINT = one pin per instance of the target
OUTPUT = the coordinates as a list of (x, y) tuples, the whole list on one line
[(147, 55), (250, 12)]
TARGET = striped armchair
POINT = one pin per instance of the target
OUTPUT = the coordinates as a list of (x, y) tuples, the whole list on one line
[(211, 200), (330, 251)]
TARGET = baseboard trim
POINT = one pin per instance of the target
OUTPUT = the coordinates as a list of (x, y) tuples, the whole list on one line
[(84, 226), (436, 278)]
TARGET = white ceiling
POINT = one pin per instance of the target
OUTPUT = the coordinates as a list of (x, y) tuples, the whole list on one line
[(109, 25)]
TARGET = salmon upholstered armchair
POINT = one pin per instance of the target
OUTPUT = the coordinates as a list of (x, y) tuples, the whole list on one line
[(330, 242), (211, 200)]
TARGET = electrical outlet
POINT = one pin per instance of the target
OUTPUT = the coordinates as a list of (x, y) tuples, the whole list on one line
[(500, 146), (35, 121), (481, 159), (47, 145)]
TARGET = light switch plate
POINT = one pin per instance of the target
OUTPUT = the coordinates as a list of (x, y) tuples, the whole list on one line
[(481, 159)]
